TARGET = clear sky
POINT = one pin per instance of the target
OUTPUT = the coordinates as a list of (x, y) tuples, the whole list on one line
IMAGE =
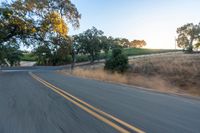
[(155, 21)]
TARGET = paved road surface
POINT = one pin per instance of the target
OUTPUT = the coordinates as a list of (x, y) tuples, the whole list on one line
[(34, 105)]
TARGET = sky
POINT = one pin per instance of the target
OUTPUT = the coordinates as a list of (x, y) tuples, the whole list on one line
[(155, 21)]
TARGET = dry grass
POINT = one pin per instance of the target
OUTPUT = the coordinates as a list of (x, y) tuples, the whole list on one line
[(134, 79), (100, 74), (177, 73), (180, 71)]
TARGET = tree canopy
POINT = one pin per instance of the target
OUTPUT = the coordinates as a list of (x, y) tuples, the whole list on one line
[(35, 22), (138, 43), (90, 42), (188, 36)]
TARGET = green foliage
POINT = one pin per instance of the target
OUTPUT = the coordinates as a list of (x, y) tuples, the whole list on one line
[(106, 44), (43, 54), (28, 57), (89, 42), (2, 54), (82, 58), (187, 35), (116, 52), (11, 53), (144, 51), (118, 61), (39, 23), (14, 57), (126, 51), (35, 20), (93, 45), (52, 54)]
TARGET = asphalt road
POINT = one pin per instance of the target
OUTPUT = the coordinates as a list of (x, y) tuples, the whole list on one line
[(33, 103)]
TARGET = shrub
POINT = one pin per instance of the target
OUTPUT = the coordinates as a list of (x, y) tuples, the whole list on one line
[(118, 61)]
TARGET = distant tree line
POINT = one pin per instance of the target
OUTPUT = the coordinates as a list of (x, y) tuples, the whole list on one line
[(93, 41)]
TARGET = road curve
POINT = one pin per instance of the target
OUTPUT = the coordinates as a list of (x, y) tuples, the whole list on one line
[(28, 105)]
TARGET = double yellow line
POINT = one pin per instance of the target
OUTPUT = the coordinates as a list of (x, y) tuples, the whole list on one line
[(95, 112)]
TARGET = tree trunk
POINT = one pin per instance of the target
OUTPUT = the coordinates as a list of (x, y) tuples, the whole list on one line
[(73, 59), (92, 58), (190, 48)]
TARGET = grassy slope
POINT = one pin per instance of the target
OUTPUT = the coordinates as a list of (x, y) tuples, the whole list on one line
[(143, 51)]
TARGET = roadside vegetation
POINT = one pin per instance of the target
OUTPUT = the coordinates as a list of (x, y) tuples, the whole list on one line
[(172, 73), (28, 23), (31, 56), (10, 54), (118, 62), (28, 56)]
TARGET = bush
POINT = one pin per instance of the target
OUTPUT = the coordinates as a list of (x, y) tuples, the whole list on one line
[(118, 61), (82, 58)]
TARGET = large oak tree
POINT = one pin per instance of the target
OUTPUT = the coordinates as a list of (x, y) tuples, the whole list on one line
[(188, 36), (33, 22)]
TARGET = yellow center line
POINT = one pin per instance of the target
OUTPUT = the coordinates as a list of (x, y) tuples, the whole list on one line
[(67, 96), (102, 112)]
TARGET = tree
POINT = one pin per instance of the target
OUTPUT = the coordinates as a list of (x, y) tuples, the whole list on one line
[(118, 61), (188, 34), (197, 45), (138, 43), (123, 42), (33, 22), (14, 56), (11, 53), (50, 54), (2, 54), (107, 43), (43, 54), (62, 51), (25, 19), (90, 43), (183, 42)]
